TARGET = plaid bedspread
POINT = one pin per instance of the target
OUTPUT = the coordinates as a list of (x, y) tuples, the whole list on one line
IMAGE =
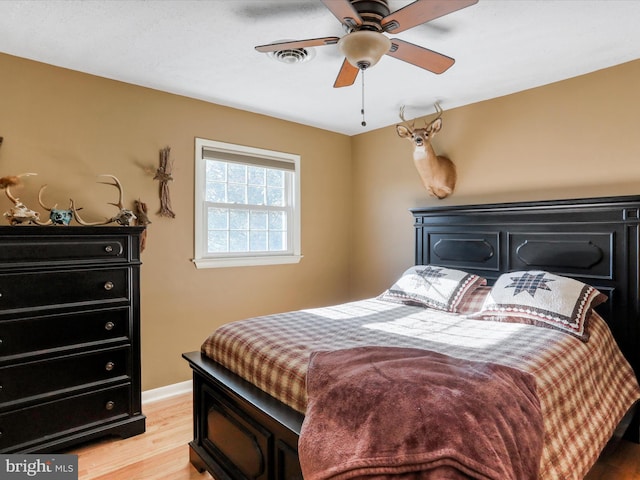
[(584, 389)]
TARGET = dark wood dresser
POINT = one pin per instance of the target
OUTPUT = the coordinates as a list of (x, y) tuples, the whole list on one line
[(69, 335)]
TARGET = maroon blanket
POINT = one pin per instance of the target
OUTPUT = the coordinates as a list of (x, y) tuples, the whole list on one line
[(387, 412)]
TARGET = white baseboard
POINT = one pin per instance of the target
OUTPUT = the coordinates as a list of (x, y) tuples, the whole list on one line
[(168, 391)]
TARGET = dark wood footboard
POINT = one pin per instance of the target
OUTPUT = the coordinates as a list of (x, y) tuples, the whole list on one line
[(240, 432)]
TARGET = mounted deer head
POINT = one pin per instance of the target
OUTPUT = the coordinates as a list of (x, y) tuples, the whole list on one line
[(438, 173)]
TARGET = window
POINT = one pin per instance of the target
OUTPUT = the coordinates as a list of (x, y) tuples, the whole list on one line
[(247, 206)]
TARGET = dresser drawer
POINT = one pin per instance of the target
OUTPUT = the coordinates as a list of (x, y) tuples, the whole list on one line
[(65, 249), (18, 428), (63, 331), (25, 381), (59, 288)]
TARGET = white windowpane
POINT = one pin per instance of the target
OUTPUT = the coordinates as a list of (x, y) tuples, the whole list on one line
[(258, 241), (277, 241), (258, 220), (237, 173), (239, 219), (216, 192), (275, 178), (275, 197), (257, 176), (216, 171), (238, 241), (218, 218), (277, 221), (218, 241), (237, 193), (256, 195)]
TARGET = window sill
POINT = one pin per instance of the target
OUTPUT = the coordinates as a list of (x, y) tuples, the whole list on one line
[(246, 261)]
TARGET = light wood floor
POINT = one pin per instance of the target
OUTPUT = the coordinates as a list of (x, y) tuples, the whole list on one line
[(161, 453)]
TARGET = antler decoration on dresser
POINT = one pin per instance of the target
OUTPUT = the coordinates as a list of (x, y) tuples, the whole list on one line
[(19, 213), (123, 217), (438, 173), (163, 175), (56, 216)]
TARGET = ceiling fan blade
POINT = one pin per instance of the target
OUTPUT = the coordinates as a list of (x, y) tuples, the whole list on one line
[(347, 75), (344, 11), (421, 11), (312, 42), (419, 56)]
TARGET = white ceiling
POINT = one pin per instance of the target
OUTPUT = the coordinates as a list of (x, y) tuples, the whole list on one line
[(205, 50)]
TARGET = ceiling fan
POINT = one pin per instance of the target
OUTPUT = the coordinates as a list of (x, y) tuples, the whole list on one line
[(366, 21)]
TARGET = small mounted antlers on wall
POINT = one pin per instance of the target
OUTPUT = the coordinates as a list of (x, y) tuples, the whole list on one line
[(163, 175), (438, 173)]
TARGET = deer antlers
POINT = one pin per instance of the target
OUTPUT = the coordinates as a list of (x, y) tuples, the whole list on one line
[(413, 122), (123, 217), (12, 181), (56, 216), (19, 213)]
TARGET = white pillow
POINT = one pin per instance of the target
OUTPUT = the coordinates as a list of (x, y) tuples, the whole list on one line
[(433, 286), (541, 298)]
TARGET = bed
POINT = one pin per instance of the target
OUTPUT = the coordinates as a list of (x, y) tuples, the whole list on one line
[(242, 431)]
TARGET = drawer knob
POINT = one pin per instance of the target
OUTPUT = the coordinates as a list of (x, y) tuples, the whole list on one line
[(109, 405), (108, 249), (109, 325), (109, 366), (108, 285)]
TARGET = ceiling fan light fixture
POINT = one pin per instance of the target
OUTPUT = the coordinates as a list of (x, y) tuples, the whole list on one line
[(364, 48)]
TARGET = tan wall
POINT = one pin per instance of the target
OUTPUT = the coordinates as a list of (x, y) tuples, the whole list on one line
[(576, 138), (572, 139), (69, 127)]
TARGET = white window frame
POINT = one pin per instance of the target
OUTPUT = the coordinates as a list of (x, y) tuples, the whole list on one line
[(202, 259)]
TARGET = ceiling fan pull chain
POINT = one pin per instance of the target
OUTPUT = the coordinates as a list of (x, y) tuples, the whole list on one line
[(364, 124)]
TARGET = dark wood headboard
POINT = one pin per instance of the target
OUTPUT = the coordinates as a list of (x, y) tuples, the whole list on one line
[(594, 240)]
